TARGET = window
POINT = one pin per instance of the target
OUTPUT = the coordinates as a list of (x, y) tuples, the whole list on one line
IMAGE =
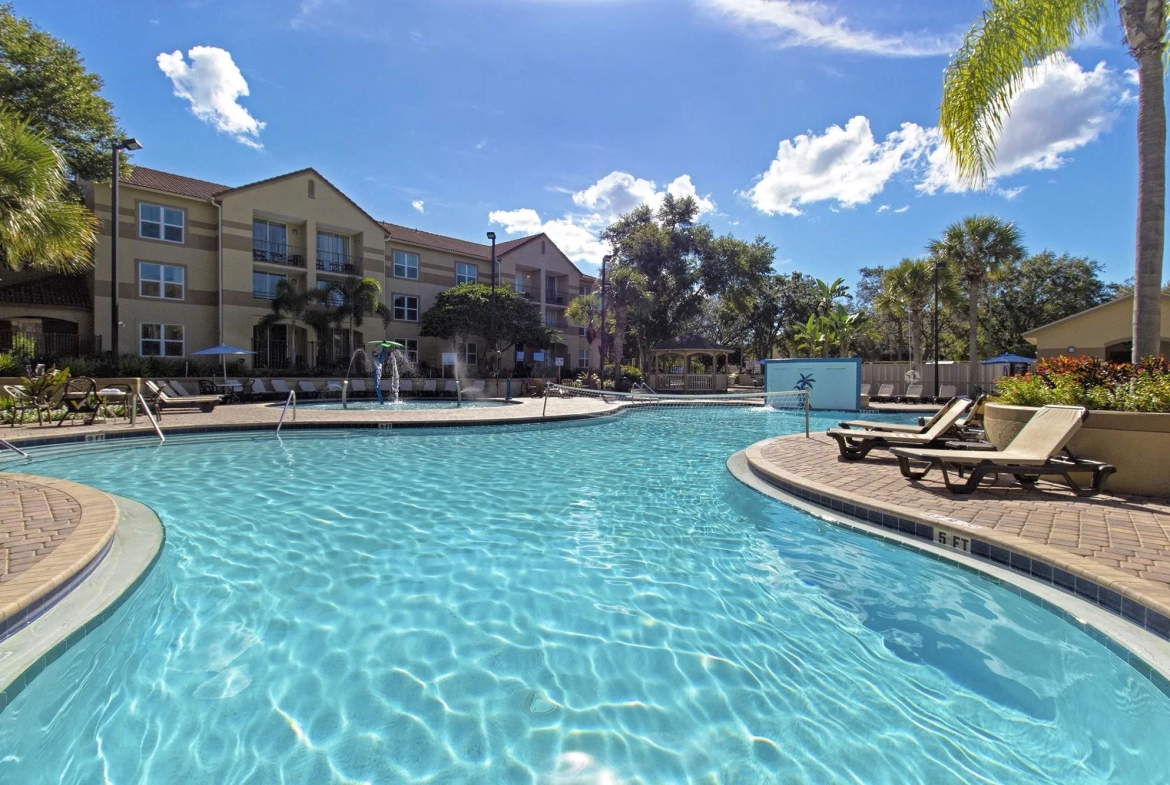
[(464, 273), (405, 308), (582, 358), (410, 349), (406, 265), (160, 223), (581, 331), (160, 340), (160, 280), (582, 290), (264, 285), (269, 241), (470, 354), (332, 252), (334, 299)]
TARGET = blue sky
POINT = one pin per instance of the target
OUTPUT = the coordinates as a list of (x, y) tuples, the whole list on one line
[(811, 123)]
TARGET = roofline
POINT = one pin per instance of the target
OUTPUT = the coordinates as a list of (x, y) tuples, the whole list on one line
[(307, 170), (545, 236), (1079, 314), (123, 184), (392, 238)]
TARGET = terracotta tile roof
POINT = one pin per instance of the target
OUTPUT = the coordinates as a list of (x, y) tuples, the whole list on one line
[(67, 291), (173, 183), (439, 242)]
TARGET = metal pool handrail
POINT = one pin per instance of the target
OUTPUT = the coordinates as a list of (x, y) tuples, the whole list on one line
[(161, 439), (292, 398), (12, 447)]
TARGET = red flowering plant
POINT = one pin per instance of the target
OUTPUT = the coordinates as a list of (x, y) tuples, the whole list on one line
[(1093, 383)]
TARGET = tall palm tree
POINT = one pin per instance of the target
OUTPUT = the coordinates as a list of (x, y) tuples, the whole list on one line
[(289, 304), (629, 293), (987, 72), (585, 310), (973, 249), (908, 288), (356, 299), (39, 226)]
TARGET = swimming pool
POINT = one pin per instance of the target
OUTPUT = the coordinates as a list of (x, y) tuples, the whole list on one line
[(366, 404), (586, 603)]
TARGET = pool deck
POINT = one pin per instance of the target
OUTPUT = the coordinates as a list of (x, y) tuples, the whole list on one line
[(1119, 543)]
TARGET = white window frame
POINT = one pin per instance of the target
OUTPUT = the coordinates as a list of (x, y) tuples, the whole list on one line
[(162, 340), (268, 276), (405, 307), (473, 278), (406, 268), (582, 358), (410, 349), (162, 281), (471, 353), (162, 223)]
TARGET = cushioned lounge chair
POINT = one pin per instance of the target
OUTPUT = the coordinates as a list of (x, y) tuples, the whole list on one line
[(921, 427), (885, 392), (357, 387), (406, 386), (280, 387), (257, 391), (158, 399), (306, 388), (430, 387), (475, 389), (856, 444), (1032, 454), (913, 394), (451, 388), (946, 392), (865, 389)]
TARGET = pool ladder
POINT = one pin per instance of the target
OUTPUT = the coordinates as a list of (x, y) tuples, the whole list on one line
[(292, 399)]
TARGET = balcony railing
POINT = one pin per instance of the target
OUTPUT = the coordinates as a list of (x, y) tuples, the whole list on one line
[(277, 253), (552, 321), (531, 292), (553, 297), (48, 346), (337, 262), (259, 294)]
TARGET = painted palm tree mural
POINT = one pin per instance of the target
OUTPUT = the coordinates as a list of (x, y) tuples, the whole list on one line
[(806, 382)]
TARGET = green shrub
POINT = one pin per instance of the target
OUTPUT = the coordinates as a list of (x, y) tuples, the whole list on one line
[(10, 366), (1092, 383)]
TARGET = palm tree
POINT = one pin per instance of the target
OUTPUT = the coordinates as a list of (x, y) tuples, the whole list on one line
[(355, 298), (39, 227), (828, 294), (907, 289), (988, 71), (585, 310), (289, 304), (628, 291), (845, 328), (973, 249)]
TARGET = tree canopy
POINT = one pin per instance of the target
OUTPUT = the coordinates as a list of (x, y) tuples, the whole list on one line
[(465, 311)]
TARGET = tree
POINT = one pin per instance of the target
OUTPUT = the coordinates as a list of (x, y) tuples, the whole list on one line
[(630, 299), (39, 228), (44, 82), (973, 249), (909, 288), (829, 293), (355, 298), (288, 304), (585, 310), (989, 70), (465, 311)]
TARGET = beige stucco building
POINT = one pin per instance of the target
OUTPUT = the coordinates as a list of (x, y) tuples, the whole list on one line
[(198, 263), (1105, 331)]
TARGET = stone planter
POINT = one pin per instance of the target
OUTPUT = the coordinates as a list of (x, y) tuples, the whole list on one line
[(1137, 443)]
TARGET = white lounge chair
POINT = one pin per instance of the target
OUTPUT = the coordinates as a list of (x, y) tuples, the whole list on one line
[(877, 425), (474, 390), (430, 387), (256, 389), (885, 392), (332, 386), (307, 388), (280, 387), (451, 388), (856, 444), (865, 388), (358, 387), (175, 387), (913, 394), (947, 391), (405, 386), (158, 399), (1030, 455)]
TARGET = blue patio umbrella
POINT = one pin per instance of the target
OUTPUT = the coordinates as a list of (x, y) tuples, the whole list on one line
[(223, 350), (1009, 359)]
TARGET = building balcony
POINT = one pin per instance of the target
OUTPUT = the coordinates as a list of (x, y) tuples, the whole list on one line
[(277, 253), (552, 297), (555, 322), (340, 263), (531, 292)]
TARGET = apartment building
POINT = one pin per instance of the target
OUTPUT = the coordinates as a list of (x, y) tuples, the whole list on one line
[(199, 262)]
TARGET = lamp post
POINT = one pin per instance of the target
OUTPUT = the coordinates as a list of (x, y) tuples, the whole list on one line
[(118, 147), (604, 333), (934, 324), (492, 322)]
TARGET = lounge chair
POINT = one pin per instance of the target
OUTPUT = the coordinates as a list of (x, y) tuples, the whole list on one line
[(332, 386), (178, 389), (23, 402), (922, 427), (1030, 455), (307, 388), (913, 394), (475, 389), (451, 388), (856, 444), (865, 388), (405, 386), (257, 390), (946, 392), (358, 387), (158, 399), (885, 392), (280, 387), (430, 387)]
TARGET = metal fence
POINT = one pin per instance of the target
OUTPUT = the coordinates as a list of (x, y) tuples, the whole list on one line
[(49, 346)]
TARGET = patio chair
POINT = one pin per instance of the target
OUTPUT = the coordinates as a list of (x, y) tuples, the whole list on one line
[(451, 388), (358, 387), (856, 444), (386, 387), (922, 427), (280, 387), (475, 389), (913, 394), (430, 387), (79, 399), (332, 386), (257, 391), (1030, 455), (307, 388), (885, 392), (406, 386), (23, 402), (946, 392), (178, 389), (158, 399), (865, 389)]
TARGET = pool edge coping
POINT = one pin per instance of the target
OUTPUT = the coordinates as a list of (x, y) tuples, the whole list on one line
[(137, 543), (1142, 648)]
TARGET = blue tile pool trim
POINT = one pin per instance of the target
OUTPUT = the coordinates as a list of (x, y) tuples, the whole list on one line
[(1131, 611), (17, 686)]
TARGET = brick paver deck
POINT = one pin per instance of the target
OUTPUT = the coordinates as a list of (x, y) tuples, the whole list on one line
[(1122, 543), (34, 520)]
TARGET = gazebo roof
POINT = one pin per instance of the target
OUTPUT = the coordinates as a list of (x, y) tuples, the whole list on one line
[(690, 343)]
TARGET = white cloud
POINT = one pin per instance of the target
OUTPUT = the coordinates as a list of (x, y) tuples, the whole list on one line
[(902, 209), (884, 208), (814, 23), (1060, 108), (577, 237), (844, 165), (419, 205), (213, 85), (620, 192)]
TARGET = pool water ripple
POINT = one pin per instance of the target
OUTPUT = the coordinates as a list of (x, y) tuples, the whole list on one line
[(591, 604)]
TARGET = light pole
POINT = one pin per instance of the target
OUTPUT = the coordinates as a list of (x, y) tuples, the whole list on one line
[(604, 333), (118, 147), (934, 324), (492, 322)]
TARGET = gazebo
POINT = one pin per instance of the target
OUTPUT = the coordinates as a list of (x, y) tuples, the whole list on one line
[(689, 363)]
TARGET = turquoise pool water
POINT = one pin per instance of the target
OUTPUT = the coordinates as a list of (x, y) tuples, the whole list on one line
[(366, 404), (597, 603)]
